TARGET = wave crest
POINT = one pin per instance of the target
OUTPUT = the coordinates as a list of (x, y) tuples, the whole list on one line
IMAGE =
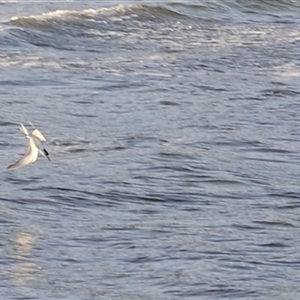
[(141, 12)]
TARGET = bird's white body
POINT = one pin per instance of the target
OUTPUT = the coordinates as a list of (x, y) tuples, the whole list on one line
[(35, 147)]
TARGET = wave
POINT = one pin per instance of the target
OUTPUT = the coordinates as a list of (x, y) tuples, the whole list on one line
[(263, 10), (73, 30), (121, 16), (87, 17), (127, 25)]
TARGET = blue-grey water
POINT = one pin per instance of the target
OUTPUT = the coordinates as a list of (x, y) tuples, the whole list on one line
[(174, 133)]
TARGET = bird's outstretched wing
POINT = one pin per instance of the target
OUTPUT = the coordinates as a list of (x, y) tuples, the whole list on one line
[(24, 130), (39, 135), (28, 158)]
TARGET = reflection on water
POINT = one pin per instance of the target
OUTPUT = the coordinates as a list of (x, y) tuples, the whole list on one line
[(23, 268)]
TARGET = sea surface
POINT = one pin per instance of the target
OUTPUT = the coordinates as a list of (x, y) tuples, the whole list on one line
[(173, 129)]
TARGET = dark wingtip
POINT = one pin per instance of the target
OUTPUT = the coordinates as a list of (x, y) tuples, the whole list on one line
[(47, 154)]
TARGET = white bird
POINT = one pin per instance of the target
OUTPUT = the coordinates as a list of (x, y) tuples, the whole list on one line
[(34, 148)]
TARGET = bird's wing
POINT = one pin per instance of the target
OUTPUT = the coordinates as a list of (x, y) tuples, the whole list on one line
[(38, 134), (28, 158), (24, 130), (45, 153), (37, 142)]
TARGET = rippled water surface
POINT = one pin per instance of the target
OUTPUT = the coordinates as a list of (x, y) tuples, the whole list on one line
[(173, 130)]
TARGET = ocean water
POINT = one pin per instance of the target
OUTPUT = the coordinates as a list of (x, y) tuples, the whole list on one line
[(173, 130)]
